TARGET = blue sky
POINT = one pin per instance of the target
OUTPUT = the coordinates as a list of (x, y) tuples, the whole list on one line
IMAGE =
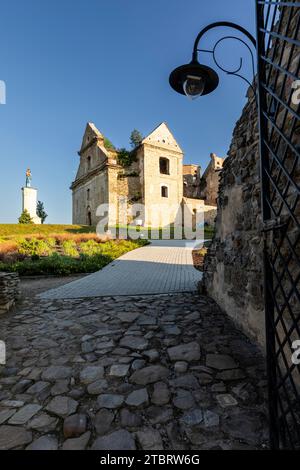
[(67, 62)]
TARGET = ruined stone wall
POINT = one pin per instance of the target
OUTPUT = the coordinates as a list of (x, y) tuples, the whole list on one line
[(9, 290), (191, 181), (88, 196), (209, 183), (234, 265)]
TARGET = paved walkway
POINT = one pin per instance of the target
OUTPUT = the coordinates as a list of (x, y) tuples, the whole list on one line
[(165, 266), (155, 372)]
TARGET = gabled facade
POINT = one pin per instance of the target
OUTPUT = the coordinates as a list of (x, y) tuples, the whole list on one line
[(154, 177)]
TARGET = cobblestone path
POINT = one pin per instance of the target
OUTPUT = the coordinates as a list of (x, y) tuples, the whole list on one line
[(147, 372)]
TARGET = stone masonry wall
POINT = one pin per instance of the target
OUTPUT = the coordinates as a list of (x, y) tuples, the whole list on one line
[(9, 290), (234, 265)]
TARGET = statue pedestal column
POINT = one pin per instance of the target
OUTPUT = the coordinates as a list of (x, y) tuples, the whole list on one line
[(29, 202)]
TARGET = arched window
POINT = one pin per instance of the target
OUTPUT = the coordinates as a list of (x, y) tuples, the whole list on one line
[(164, 166), (89, 162), (164, 191)]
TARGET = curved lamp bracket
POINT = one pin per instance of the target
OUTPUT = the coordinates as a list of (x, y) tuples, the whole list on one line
[(213, 51)]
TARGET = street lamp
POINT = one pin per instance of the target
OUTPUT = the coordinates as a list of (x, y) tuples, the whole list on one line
[(195, 79)]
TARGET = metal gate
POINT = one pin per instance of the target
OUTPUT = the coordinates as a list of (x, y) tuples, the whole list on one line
[(279, 122)]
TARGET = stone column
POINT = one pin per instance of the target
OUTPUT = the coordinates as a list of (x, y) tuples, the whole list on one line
[(29, 202)]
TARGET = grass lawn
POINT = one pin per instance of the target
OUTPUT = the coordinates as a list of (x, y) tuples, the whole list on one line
[(12, 230)]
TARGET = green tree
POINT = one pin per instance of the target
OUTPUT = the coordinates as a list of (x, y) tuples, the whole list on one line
[(125, 158), (40, 211), (135, 138), (25, 218)]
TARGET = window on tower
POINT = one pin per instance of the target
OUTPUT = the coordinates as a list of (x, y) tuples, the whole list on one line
[(164, 166), (89, 160), (164, 191)]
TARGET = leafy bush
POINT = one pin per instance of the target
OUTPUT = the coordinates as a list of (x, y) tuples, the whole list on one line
[(70, 248), (103, 253), (90, 248), (35, 247), (126, 158), (25, 218)]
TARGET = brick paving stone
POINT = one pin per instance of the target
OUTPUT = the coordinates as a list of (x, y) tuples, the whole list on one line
[(164, 266)]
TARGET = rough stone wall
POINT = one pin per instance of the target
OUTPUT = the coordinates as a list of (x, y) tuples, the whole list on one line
[(234, 265), (9, 290), (191, 181), (90, 187), (88, 195), (209, 184)]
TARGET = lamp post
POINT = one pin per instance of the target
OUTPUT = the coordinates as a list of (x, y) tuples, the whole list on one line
[(195, 79)]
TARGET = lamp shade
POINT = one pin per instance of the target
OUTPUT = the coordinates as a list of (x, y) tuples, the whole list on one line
[(209, 78)]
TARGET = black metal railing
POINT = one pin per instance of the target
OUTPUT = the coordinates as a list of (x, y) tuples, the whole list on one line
[(278, 51)]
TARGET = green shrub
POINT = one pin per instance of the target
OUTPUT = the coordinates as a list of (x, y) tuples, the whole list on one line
[(70, 248), (35, 247), (25, 218), (90, 248), (51, 242), (126, 158), (96, 256)]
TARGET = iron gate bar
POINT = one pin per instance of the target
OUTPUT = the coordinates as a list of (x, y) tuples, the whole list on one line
[(282, 135), (296, 42), (282, 167), (280, 69), (288, 108), (277, 35), (281, 383), (269, 306), (282, 199), (286, 4)]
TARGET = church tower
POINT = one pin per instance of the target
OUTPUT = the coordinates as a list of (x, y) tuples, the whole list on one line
[(161, 171)]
